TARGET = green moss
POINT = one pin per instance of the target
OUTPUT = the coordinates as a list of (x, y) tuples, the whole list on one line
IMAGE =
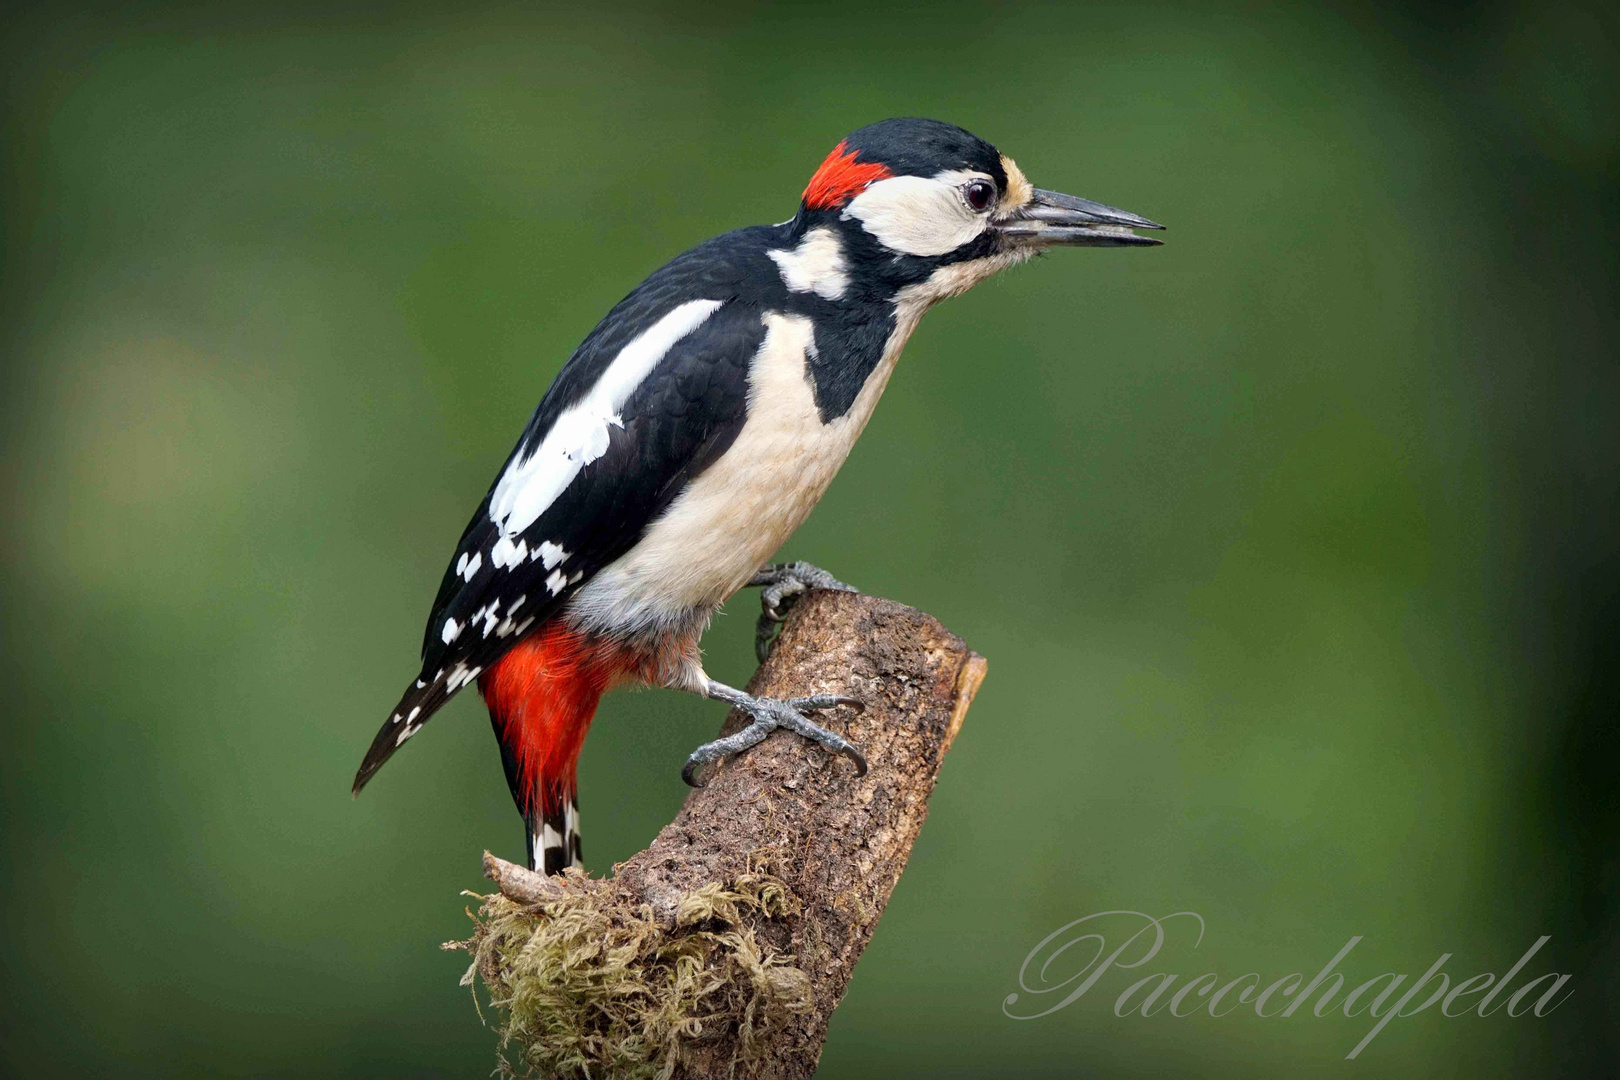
[(587, 986)]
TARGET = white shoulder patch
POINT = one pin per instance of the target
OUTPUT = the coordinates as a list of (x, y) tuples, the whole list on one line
[(816, 265), (580, 434)]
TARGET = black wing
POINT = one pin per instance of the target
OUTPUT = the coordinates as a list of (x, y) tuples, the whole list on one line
[(682, 416)]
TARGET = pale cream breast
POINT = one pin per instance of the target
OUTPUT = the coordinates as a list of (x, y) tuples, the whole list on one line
[(741, 509)]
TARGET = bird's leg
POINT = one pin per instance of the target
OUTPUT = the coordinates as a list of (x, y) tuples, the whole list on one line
[(768, 715), (783, 584)]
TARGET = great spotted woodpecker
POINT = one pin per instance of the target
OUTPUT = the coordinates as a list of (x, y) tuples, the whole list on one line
[(688, 436)]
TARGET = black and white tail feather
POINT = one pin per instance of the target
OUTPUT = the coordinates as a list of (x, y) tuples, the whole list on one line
[(555, 845)]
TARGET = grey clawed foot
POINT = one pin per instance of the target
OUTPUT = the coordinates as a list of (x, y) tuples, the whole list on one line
[(768, 715), (783, 584)]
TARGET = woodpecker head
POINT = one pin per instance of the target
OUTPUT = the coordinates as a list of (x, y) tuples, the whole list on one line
[(914, 201)]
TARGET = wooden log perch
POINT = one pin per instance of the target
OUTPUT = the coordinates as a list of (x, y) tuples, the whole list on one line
[(723, 948)]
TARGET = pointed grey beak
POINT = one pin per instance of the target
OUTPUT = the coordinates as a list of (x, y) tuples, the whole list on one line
[(1053, 218)]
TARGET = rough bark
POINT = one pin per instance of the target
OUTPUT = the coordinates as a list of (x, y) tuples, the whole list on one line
[(838, 842)]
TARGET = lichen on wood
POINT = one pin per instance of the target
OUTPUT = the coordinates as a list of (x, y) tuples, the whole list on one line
[(588, 987), (723, 948)]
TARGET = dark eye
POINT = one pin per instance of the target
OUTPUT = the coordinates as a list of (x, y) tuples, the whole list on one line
[(979, 194)]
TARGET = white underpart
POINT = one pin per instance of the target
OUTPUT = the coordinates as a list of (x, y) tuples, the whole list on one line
[(816, 265), (734, 516), (724, 526), (919, 215), (580, 433)]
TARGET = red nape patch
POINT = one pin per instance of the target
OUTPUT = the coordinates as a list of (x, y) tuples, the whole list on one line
[(840, 179), (542, 696)]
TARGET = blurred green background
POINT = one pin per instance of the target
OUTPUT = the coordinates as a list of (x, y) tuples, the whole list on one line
[(1291, 543)]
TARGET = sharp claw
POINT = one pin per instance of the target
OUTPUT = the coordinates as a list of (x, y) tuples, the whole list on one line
[(783, 584), (689, 772), (858, 758), (764, 632)]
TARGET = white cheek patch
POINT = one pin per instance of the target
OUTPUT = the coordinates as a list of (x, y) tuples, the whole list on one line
[(917, 215)]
